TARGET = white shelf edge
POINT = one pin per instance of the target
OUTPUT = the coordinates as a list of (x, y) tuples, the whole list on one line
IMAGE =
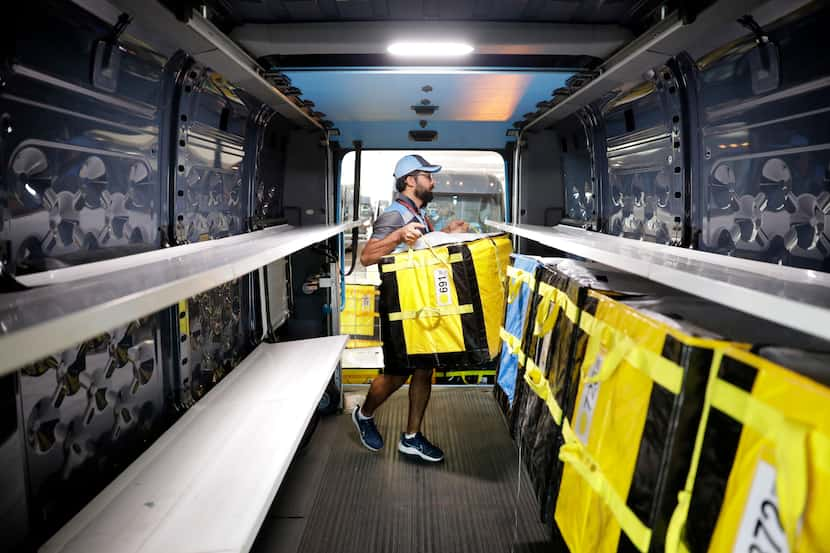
[(44, 321), (789, 296), (87, 270), (253, 383)]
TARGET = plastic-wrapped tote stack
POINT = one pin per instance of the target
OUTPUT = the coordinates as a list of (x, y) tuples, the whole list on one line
[(359, 317), (442, 301), (521, 286), (649, 423)]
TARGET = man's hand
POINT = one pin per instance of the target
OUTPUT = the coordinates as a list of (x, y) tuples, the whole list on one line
[(411, 232), (377, 248), (457, 226)]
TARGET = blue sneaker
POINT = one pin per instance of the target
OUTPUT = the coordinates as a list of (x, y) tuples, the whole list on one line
[(368, 432), (419, 446)]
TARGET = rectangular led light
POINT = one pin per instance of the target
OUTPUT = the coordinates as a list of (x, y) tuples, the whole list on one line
[(429, 49)]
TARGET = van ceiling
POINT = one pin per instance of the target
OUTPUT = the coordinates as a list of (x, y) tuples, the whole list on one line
[(334, 52), (624, 12), (475, 107)]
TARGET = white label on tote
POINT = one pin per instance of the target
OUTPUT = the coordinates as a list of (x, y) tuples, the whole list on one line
[(587, 404), (761, 530), (442, 287)]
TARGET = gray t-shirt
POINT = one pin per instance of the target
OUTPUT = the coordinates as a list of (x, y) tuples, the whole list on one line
[(391, 220), (387, 223)]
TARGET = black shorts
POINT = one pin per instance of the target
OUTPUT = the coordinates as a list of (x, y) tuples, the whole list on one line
[(397, 370)]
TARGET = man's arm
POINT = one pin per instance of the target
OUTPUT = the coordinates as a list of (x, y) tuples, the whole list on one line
[(377, 248), (457, 226)]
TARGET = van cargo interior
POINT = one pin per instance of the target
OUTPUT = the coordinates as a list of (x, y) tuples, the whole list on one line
[(187, 331)]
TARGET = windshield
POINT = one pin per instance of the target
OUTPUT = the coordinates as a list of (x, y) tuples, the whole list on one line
[(469, 187)]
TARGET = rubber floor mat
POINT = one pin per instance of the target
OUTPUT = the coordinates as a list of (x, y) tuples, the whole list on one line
[(379, 502)]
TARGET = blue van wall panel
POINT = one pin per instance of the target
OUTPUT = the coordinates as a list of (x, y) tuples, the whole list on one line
[(579, 171), (269, 139), (14, 508), (81, 180), (85, 412), (211, 200), (644, 194), (81, 183), (765, 191)]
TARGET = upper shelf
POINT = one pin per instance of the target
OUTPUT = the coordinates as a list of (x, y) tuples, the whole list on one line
[(202, 40), (713, 25), (792, 297), (86, 301)]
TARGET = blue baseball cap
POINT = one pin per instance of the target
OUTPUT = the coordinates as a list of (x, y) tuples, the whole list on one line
[(408, 164)]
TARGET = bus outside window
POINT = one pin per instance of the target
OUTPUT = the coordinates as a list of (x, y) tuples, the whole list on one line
[(469, 187)]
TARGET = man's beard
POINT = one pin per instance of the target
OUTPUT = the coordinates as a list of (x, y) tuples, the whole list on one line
[(424, 195)]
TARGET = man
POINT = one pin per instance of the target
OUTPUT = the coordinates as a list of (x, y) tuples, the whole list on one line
[(403, 222)]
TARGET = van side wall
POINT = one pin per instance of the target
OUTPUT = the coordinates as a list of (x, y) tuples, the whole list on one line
[(111, 149), (726, 153)]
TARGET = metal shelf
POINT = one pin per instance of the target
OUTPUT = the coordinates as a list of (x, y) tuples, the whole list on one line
[(87, 301), (227, 455), (667, 38), (207, 44), (792, 297)]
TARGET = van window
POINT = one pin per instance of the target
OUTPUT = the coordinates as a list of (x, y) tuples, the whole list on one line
[(469, 187)]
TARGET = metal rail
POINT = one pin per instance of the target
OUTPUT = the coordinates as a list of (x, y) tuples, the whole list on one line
[(791, 297), (46, 320)]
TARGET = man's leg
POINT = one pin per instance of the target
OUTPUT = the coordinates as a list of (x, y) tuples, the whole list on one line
[(383, 386), (419, 391), (413, 442)]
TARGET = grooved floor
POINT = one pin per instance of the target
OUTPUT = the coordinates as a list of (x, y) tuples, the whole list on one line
[(362, 502)]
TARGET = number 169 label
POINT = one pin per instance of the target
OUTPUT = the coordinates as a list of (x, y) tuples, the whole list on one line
[(442, 287), (761, 530)]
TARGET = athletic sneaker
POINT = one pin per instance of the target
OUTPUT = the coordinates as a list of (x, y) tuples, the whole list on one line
[(419, 446), (368, 432)]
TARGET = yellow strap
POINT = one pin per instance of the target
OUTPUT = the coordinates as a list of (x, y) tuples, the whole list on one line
[(568, 306), (361, 314), (352, 293), (514, 345), (677, 523), (664, 372), (674, 533), (521, 275), (431, 312), (541, 387), (465, 373), (536, 380), (545, 316), (577, 456), (439, 258), (790, 438), (513, 290), (594, 328), (412, 263), (587, 322), (517, 278), (622, 346), (502, 272)]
